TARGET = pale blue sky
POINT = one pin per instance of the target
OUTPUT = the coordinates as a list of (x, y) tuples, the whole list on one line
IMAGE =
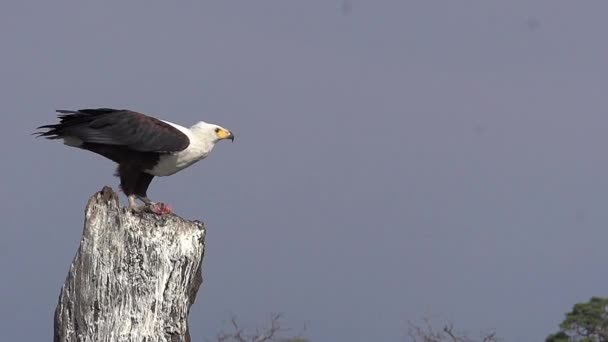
[(409, 159)]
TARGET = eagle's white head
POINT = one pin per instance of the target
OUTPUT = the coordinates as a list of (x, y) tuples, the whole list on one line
[(211, 132)]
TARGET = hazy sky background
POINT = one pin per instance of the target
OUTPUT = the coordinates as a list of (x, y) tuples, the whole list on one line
[(395, 160)]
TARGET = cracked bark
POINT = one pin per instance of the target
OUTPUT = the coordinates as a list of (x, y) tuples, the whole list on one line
[(133, 278)]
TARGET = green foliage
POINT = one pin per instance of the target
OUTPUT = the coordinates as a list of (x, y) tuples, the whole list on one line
[(558, 337), (587, 322)]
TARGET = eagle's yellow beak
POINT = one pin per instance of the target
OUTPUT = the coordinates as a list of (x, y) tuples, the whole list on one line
[(225, 134)]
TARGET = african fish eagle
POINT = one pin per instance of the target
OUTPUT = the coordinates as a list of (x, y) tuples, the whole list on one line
[(142, 146)]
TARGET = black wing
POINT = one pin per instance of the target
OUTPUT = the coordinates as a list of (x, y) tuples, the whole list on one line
[(119, 127)]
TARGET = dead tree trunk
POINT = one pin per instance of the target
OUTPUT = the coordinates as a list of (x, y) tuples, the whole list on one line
[(134, 276)]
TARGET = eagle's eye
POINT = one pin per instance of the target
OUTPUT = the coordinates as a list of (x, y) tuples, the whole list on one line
[(217, 130)]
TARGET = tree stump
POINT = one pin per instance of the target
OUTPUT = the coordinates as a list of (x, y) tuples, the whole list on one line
[(134, 277)]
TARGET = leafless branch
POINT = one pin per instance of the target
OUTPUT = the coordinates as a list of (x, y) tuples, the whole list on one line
[(269, 334), (426, 333), (490, 337), (235, 336), (449, 331)]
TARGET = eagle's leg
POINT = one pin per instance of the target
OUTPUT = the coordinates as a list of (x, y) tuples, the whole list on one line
[(133, 203), (128, 182), (144, 199), (141, 188)]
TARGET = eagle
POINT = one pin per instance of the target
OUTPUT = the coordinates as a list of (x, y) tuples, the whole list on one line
[(141, 145)]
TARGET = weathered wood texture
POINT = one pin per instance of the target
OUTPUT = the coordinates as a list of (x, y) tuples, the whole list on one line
[(134, 276)]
